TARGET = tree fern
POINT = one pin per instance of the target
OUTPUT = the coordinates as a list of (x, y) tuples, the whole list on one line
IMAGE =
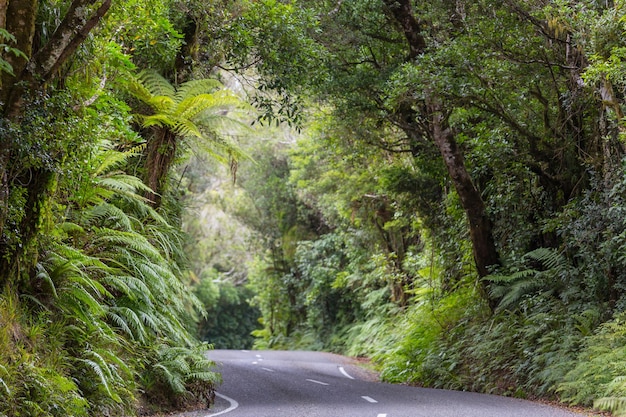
[(177, 115)]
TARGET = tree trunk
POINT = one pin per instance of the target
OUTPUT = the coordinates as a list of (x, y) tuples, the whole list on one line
[(480, 227), (67, 37), (3, 13), (485, 253), (17, 256), (402, 12), (160, 153)]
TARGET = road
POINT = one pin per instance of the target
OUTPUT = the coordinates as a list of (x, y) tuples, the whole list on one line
[(314, 384)]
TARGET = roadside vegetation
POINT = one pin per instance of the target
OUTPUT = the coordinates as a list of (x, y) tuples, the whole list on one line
[(438, 186)]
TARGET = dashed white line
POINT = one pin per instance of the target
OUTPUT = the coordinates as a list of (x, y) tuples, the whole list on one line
[(317, 382), (268, 370), (343, 371), (258, 356), (369, 399), (233, 404), (382, 415), (255, 363)]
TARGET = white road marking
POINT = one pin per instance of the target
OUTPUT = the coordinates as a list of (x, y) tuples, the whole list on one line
[(369, 399), (268, 370), (245, 351), (233, 404), (255, 363), (258, 356), (343, 371), (317, 382), (382, 415)]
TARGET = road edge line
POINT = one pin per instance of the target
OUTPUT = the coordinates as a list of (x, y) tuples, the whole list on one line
[(346, 374), (233, 405)]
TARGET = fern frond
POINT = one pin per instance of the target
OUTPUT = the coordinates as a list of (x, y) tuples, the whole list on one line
[(186, 128), (197, 87), (616, 405), (139, 90), (132, 286), (111, 158), (158, 119), (69, 228), (173, 380), (548, 257), (82, 304), (43, 275), (192, 106), (149, 321), (162, 104), (102, 376), (130, 240), (156, 84), (205, 376), (128, 321), (110, 215), (120, 323), (507, 279), (5, 386), (123, 184)]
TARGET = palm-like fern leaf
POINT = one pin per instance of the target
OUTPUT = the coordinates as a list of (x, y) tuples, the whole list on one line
[(156, 84), (510, 289), (180, 113), (197, 87), (617, 405)]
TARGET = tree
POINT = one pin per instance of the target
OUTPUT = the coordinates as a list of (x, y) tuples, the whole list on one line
[(194, 110), (32, 69)]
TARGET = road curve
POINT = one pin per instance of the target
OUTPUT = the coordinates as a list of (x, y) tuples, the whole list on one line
[(314, 384)]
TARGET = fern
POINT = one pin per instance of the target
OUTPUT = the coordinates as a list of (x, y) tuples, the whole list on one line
[(128, 321), (99, 371), (180, 115), (617, 405), (196, 87), (511, 289)]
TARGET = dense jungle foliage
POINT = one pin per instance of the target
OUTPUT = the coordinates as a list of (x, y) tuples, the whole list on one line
[(439, 186)]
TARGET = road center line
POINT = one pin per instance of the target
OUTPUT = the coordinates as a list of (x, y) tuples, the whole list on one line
[(382, 415), (343, 371), (317, 382), (233, 404), (369, 399), (268, 370)]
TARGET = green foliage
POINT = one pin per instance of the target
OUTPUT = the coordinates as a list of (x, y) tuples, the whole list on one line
[(145, 31), (6, 39), (366, 248), (183, 372), (191, 110), (230, 320), (422, 328), (268, 34), (596, 371), (511, 289)]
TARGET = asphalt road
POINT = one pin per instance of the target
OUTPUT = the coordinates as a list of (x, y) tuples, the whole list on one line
[(314, 384)]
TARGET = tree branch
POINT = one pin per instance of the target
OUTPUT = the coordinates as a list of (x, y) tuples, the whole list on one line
[(70, 34), (402, 12)]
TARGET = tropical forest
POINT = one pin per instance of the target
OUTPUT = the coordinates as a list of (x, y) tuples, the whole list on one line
[(438, 187)]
